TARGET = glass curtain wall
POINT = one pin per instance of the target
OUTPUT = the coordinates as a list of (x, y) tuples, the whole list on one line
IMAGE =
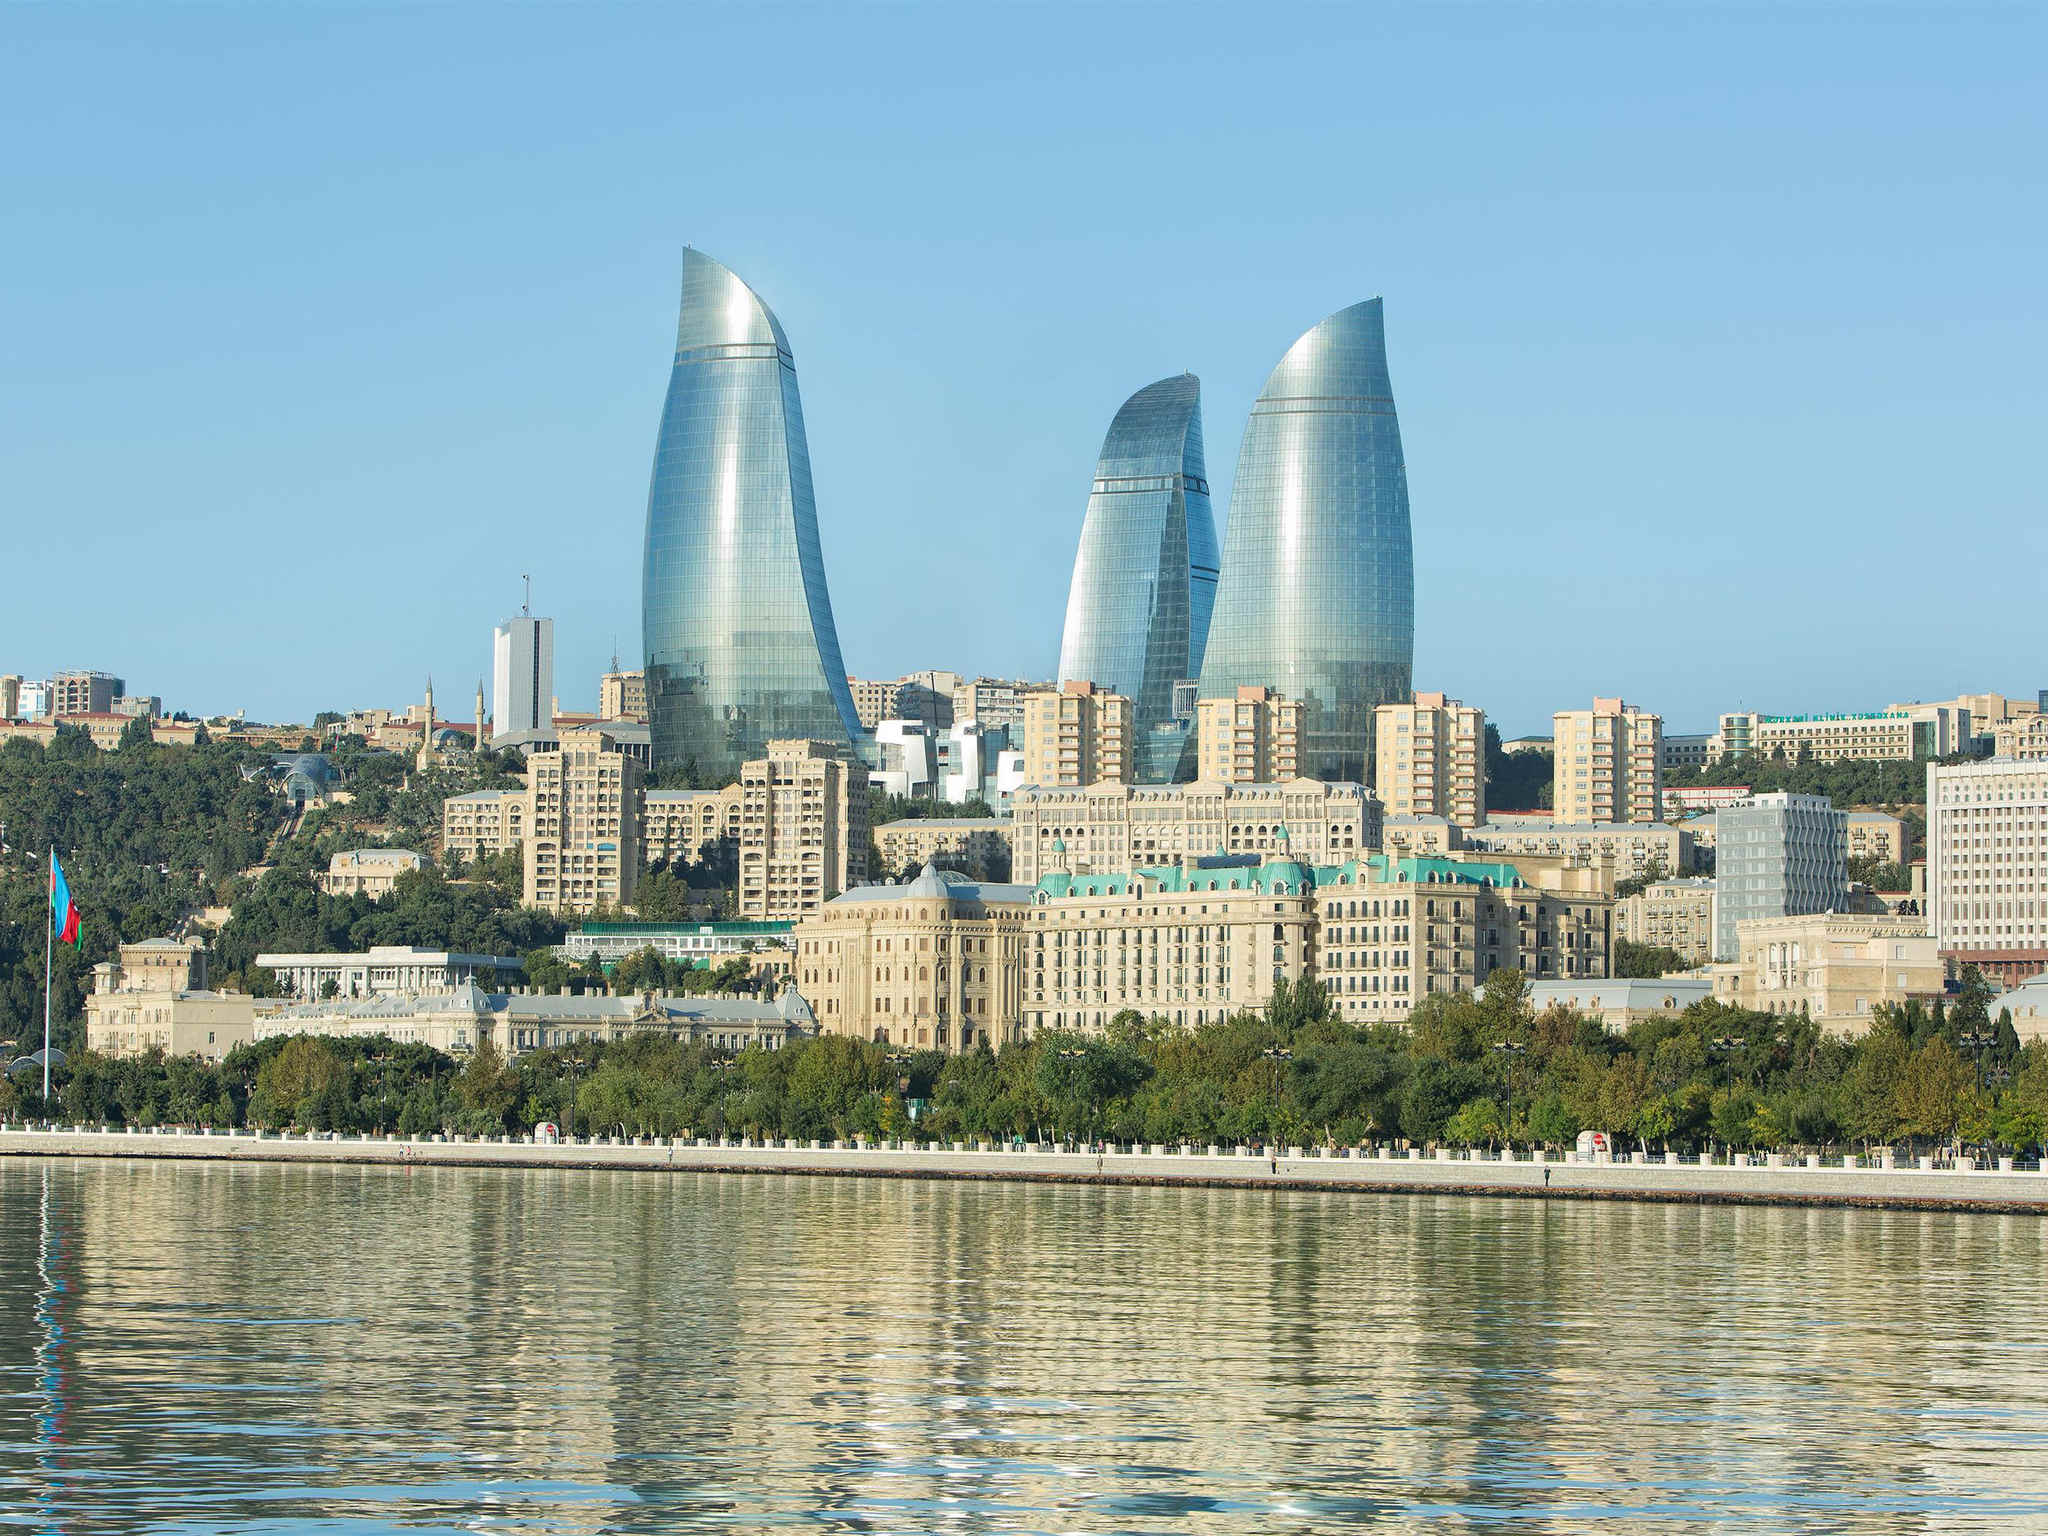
[(1317, 598), (1145, 573), (736, 618)]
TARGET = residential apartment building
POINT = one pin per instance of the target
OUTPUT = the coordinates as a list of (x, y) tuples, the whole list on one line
[(1902, 731), (995, 703), (1115, 828), (1077, 736), (1671, 914), (874, 700), (1777, 855), (2023, 738), (681, 823), (585, 808), (154, 997), (1430, 759), (1987, 865), (1878, 835), (934, 963), (1608, 764), (1836, 969), (803, 829), (371, 872), (1421, 836), (1252, 738), (85, 693), (1615, 850), (977, 847), (622, 695), (484, 821)]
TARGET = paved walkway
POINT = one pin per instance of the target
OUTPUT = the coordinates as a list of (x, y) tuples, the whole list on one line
[(1793, 1183)]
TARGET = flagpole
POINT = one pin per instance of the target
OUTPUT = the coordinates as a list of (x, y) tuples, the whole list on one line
[(49, 948)]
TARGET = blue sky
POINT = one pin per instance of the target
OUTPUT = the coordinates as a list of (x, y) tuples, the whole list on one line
[(1716, 333)]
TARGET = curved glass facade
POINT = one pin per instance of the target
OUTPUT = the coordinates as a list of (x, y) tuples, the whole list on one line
[(1145, 574), (1318, 592), (735, 616)]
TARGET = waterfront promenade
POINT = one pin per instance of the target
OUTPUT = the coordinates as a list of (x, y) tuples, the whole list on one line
[(1787, 1180)]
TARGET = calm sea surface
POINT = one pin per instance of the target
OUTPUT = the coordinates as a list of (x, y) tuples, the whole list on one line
[(365, 1349)]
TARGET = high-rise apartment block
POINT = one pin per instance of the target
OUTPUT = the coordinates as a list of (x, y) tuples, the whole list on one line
[(1987, 865), (1608, 764), (1432, 759), (1077, 736), (1777, 855), (622, 696), (522, 678), (803, 829), (483, 822), (585, 809), (85, 693), (995, 704), (1253, 738)]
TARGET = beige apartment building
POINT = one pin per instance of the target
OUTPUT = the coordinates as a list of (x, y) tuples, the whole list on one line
[(1878, 835), (934, 963), (1608, 764), (1430, 759), (1832, 967), (622, 696), (1421, 836), (154, 997), (85, 693), (485, 821), (371, 872), (874, 700), (2023, 738), (1616, 850), (584, 813), (977, 847), (1115, 828), (1253, 738), (803, 829), (1672, 914), (1077, 736), (1987, 865), (680, 822)]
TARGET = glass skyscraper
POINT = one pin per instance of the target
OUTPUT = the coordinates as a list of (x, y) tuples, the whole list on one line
[(1145, 575), (734, 611), (1317, 597)]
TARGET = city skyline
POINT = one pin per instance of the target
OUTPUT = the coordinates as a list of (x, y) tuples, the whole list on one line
[(1745, 389)]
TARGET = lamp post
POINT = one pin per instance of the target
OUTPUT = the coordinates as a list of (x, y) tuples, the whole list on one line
[(1507, 1052), (1726, 1046), (1073, 1054), (1275, 1054)]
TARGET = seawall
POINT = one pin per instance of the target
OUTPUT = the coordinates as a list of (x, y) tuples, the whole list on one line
[(1792, 1181)]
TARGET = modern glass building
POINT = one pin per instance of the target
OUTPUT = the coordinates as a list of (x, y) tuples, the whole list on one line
[(1317, 597), (734, 611), (1145, 575)]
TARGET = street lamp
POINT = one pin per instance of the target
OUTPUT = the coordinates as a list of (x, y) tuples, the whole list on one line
[(1727, 1046), (1508, 1052), (1275, 1054)]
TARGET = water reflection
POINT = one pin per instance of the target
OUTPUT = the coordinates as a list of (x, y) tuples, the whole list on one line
[(211, 1346)]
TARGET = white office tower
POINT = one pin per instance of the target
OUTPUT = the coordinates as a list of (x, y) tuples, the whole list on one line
[(522, 678), (907, 759)]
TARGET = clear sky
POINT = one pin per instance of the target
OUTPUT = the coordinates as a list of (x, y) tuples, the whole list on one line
[(1717, 334)]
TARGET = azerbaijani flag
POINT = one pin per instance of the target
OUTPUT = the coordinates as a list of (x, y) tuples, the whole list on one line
[(63, 910)]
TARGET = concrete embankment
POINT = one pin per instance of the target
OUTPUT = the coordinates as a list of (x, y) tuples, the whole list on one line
[(1791, 1181)]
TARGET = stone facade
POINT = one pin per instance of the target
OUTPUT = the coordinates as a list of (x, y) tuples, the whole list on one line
[(154, 997), (1077, 736), (485, 821), (585, 808), (977, 847), (1430, 759), (1834, 968), (681, 822), (1671, 914), (803, 829), (1618, 850), (371, 872), (1608, 764), (1987, 865), (933, 964), (1253, 738), (1115, 828)]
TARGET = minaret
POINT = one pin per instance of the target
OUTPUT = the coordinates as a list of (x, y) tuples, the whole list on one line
[(479, 740), (426, 757)]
